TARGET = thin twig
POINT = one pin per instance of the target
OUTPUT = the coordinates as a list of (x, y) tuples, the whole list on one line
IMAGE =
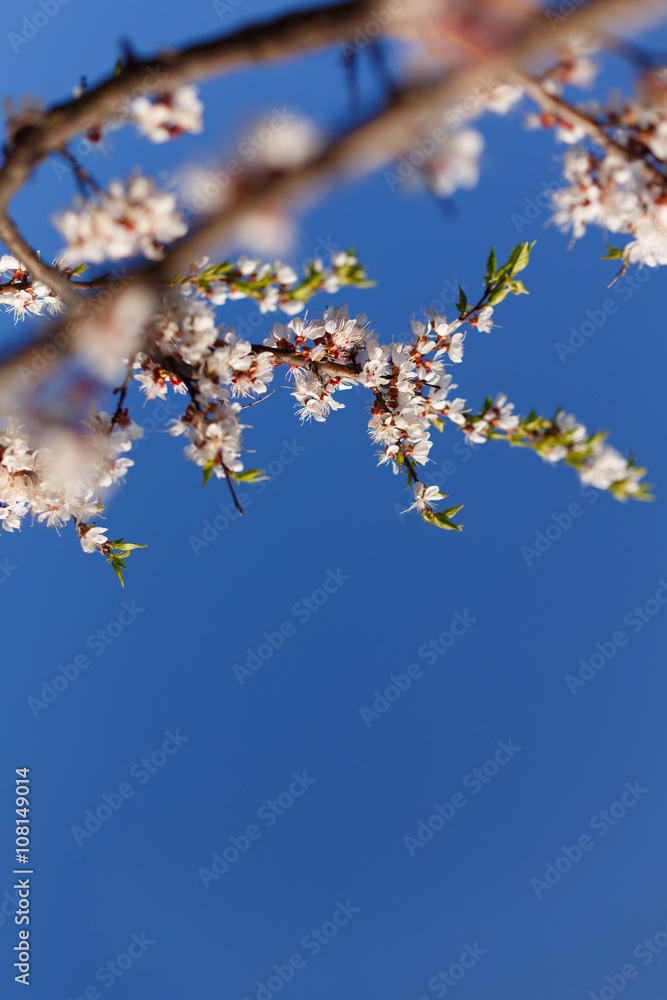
[(122, 391), (256, 401), (232, 490), (566, 112)]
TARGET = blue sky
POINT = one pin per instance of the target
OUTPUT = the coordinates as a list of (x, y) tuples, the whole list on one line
[(335, 858)]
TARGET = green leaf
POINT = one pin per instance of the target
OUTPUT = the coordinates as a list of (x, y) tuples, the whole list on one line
[(518, 288), (117, 558), (462, 304), (118, 566), (250, 476), (499, 293), (441, 520), (304, 291), (80, 269), (613, 253), (207, 472), (491, 266), (519, 257)]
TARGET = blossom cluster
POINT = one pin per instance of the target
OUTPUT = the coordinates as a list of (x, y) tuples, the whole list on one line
[(174, 338), (616, 170), (22, 296), (565, 439), (59, 478), (131, 218), (271, 286), (214, 364), (159, 117), (451, 160), (182, 345), (622, 196), (413, 392), (168, 115)]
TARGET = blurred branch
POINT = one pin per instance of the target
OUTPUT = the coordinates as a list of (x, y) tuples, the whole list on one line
[(300, 32), (359, 151), (282, 38), (386, 135)]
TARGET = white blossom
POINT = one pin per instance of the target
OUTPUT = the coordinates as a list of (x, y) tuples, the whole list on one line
[(502, 97), (24, 296), (606, 466), (425, 497), (127, 220), (484, 321), (456, 164), (93, 539), (168, 115)]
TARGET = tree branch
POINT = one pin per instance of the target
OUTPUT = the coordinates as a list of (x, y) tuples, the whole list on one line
[(296, 33), (357, 152), (332, 369), (385, 136), (301, 31), (56, 280), (566, 112)]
